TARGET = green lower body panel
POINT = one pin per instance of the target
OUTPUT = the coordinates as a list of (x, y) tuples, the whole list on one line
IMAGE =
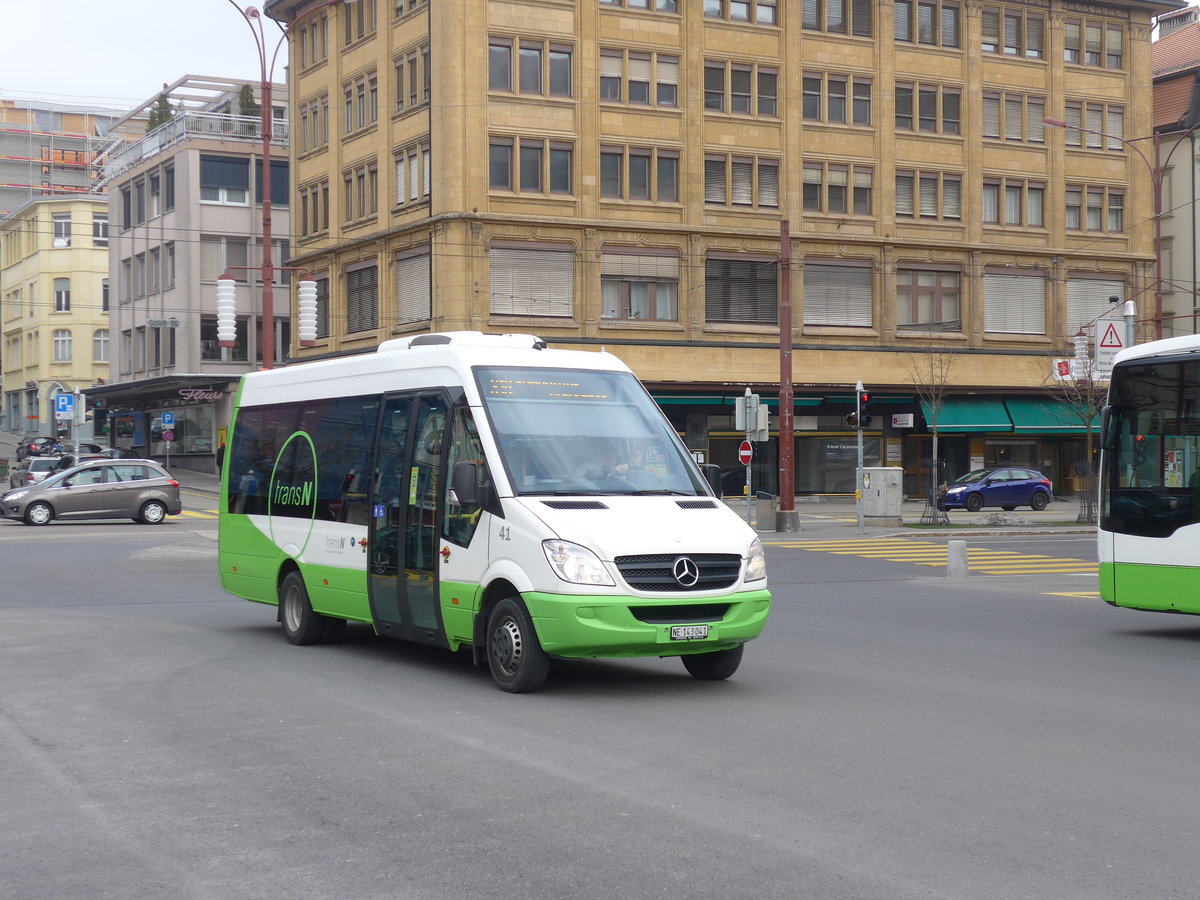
[(606, 626), (1152, 587)]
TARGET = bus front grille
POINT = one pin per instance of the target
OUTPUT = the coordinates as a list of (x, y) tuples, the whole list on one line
[(658, 572)]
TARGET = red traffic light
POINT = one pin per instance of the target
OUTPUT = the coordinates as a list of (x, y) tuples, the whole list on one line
[(864, 397)]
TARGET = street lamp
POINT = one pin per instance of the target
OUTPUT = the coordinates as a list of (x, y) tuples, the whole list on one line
[(254, 19), (1156, 179)]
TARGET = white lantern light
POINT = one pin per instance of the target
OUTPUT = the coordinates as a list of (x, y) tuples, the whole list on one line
[(226, 311), (307, 310)]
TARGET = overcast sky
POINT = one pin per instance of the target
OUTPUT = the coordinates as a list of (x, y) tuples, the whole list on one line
[(119, 54)]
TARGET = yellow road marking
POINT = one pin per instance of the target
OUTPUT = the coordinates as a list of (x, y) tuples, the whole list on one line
[(198, 515), (1083, 595), (982, 560)]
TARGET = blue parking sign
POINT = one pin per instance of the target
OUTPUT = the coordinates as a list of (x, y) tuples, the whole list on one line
[(64, 406), (168, 420)]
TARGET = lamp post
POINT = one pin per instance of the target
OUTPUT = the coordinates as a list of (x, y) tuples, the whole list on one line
[(1156, 180), (254, 20)]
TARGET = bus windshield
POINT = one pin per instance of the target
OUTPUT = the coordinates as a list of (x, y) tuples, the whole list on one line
[(1150, 477), (580, 432)]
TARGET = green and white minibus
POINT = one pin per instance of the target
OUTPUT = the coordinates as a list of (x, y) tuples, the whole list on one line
[(1149, 535), (484, 492)]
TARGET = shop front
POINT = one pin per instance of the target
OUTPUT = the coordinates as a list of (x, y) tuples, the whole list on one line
[(178, 420)]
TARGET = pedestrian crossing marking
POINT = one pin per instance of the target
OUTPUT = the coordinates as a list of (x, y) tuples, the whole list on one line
[(207, 514), (981, 560)]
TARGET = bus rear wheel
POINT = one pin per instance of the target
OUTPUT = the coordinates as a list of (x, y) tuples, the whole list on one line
[(300, 624), (716, 666), (515, 658)]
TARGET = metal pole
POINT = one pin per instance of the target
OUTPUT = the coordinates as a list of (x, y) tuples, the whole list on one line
[(787, 472), (746, 413), (858, 472), (1130, 313)]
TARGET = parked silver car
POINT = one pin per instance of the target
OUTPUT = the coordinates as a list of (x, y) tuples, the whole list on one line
[(139, 489), (31, 470)]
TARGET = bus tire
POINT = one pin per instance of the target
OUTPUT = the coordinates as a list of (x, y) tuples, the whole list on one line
[(715, 666), (515, 658), (300, 624)]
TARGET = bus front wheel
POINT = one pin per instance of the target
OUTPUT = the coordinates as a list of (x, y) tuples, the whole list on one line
[(300, 624), (716, 666), (517, 661)]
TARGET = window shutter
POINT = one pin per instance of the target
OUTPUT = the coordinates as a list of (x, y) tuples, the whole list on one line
[(1116, 127), (991, 115), (413, 293), (925, 23), (362, 299), (737, 290), (532, 282), (838, 295), (635, 265), (1034, 27), (743, 182), (224, 172), (904, 195), (210, 259), (862, 18), (768, 184), (951, 197), (1013, 118), (991, 28), (903, 17), (949, 25), (929, 195), (714, 180), (739, 80), (1087, 300), (639, 68), (1014, 304), (1035, 110)]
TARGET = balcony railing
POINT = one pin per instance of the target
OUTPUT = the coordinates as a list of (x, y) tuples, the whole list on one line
[(186, 125)]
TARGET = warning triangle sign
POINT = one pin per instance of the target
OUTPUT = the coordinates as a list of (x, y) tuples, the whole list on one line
[(1111, 340)]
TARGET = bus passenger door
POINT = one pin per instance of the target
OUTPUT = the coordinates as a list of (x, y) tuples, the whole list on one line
[(406, 495)]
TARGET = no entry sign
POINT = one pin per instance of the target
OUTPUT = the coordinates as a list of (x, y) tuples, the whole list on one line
[(745, 453)]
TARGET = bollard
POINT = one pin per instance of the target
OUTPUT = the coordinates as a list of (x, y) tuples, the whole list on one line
[(956, 559)]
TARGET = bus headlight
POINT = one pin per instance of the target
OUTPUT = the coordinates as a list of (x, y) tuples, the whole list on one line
[(756, 562), (576, 564)]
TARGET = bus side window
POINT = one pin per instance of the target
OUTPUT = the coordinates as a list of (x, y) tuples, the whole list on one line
[(460, 522)]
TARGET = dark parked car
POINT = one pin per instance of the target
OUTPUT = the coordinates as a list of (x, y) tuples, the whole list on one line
[(138, 489), (1006, 487), (34, 445)]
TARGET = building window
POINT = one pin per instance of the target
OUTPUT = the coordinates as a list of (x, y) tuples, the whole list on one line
[(1088, 42), (838, 294), (538, 166), (314, 208), (313, 45), (155, 195), (360, 102), (221, 255), (928, 300), (1014, 303), (1014, 117), (100, 345), (1095, 208), (154, 272), (1087, 298), (62, 345), (851, 17), (62, 294), (169, 270), (838, 189), (532, 281), (126, 208), (639, 287), (741, 88), (104, 295), (928, 108), (929, 196), (1105, 124), (210, 347), (99, 230), (169, 188), (62, 229), (752, 12), (358, 20), (362, 299), (414, 294), (667, 6), (928, 22), (322, 305), (1014, 202), (529, 66), (360, 192), (836, 99), (741, 290), (1012, 31), (639, 173), (412, 175), (642, 79), (314, 124), (741, 181), (224, 179)]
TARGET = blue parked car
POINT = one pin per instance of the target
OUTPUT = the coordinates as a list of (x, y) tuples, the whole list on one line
[(1007, 487)]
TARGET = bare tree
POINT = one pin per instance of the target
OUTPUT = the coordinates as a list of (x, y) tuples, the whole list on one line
[(929, 373), (1076, 385)]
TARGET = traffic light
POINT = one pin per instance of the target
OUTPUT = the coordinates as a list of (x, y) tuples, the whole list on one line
[(852, 420), (864, 409)]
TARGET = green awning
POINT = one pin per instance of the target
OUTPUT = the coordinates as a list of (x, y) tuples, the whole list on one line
[(1045, 415), (960, 414)]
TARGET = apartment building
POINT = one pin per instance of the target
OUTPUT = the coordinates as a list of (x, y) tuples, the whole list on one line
[(615, 173), (49, 149), (54, 308), (185, 201), (1176, 62)]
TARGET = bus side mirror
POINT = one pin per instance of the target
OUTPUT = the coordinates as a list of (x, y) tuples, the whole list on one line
[(464, 484), (712, 474), (1108, 431)]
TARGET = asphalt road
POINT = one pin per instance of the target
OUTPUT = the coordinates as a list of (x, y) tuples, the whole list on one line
[(893, 734)]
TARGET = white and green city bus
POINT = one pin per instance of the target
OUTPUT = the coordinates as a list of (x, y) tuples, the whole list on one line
[(1149, 536), (484, 492)]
